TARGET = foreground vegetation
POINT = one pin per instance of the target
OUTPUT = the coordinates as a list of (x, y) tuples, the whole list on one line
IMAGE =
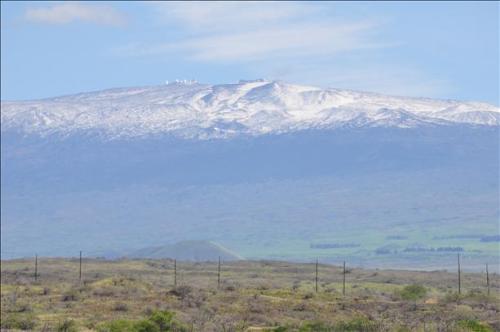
[(140, 295)]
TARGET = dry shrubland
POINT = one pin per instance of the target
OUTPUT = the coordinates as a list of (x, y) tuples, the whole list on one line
[(139, 295)]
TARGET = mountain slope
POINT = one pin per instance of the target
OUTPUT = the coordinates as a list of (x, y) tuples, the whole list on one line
[(193, 110), (267, 169), (198, 251)]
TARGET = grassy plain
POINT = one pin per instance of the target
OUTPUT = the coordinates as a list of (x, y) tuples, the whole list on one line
[(126, 295)]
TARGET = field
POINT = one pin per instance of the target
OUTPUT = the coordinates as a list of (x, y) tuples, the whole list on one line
[(140, 295)]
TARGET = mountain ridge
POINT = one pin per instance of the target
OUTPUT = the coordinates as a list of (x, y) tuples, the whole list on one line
[(252, 108)]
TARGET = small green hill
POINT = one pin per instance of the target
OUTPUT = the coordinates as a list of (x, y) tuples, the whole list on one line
[(197, 251)]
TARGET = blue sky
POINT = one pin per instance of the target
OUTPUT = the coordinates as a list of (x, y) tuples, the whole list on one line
[(430, 49)]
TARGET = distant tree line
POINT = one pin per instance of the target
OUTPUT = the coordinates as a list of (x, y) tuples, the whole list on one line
[(492, 238), (396, 237), (442, 249), (482, 238), (390, 249), (334, 245), (458, 237)]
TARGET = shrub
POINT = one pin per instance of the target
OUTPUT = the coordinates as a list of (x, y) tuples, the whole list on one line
[(162, 319), (158, 321), (165, 321), (18, 321), (453, 297), (230, 288), (105, 292), (300, 307), (463, 312), (473, 325), (22, 307), (120, 325), (146, 325), (181, 291), (308, 296), (277, 329), (413, 292), (67, 326), (357, 324), (315, 327), (121, 307), (70, 295)]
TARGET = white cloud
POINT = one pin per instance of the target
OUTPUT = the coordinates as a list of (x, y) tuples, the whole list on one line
[(249, 31), (69, 12), (299, 40), (229, 16), (307, 39)]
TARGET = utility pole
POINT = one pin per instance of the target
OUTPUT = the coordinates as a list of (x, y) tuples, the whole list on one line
[(487, 279), (175, 272), (218, 275), (80, 270), (316, 275), (459, 280), (36, 268), (343, 281)]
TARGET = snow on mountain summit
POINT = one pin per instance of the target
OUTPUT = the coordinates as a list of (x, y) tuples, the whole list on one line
[(193, 110)]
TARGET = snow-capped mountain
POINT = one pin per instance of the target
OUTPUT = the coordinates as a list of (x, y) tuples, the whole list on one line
[(192, 110), (345, 165)]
